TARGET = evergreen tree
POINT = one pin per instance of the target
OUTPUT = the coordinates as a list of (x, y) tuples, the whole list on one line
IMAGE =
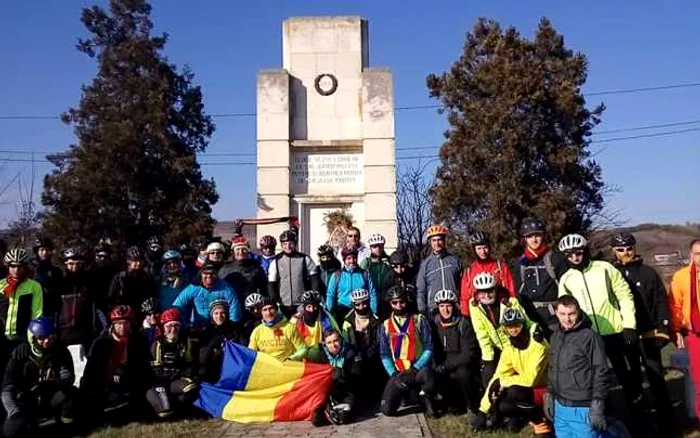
[(133, 171), (518, 137)]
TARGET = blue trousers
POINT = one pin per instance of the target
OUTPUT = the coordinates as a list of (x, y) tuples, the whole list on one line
[(572, 422)]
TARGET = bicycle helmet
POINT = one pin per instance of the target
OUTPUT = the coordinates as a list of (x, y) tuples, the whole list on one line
[(148, 307), (623, 239), (445, 296), (310, 297), (479, 238), (42, 326), (376, 239), (398, 257), (253, 300), (220, 303), (397, 293), (436, 230), (348, 251), (17, 256), (171, 254), (120, 313), (74, 253), (267, 242), (572, 242), (359, 295), (513, 317), (216, 247), (170, 315), (102, 248), (531, 226), (43, 242), (288, 236), (240, 242), (134, 253), (325, 250), (484, 281), (154, 240), (209, 267)]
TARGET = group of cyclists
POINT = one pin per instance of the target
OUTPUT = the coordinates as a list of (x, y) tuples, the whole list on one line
[(540, 339)]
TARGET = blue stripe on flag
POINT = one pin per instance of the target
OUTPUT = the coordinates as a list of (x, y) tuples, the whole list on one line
[(238, 363)]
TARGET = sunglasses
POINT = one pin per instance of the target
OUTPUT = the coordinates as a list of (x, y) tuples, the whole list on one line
[(354, 236), (624, 249), (397, 302), (575, 253), (14, 266)]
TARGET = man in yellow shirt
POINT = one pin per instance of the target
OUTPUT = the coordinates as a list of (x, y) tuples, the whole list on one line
[(276, 336), (313, 320)]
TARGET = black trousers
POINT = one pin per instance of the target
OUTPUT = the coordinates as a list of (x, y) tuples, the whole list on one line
[(461, 387), (651, 358), (626, 363), (394, 390), (51, 402), (178, 392), (519, 402)]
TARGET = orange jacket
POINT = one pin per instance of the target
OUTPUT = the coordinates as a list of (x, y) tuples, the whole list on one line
[(499, 269), (679, 300)]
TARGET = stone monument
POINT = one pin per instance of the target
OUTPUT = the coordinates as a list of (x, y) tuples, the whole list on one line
[(325, 133)]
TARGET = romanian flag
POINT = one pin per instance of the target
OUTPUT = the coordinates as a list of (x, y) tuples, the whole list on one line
[(256, 387)]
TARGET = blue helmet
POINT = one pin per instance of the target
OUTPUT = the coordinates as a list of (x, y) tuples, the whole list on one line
[(42, 326), (171, 254)]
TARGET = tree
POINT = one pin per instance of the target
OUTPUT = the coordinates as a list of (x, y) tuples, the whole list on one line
[(139, 125), (413, 209), (518, 140)]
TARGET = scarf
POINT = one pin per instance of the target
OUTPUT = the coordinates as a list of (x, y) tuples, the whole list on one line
[(361, 322), (310, 317), (119, 354), (324, 318), (403, 340), (12, 285), (522, 340), (278, 318), (533, 255)]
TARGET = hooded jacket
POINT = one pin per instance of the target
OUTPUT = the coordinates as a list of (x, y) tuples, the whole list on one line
[(490, 336), (437, 272), (454, 345), (343, 282), (381, 273), (650, 297), (603, 295), (578, 366), (498, 268), (17, 310)]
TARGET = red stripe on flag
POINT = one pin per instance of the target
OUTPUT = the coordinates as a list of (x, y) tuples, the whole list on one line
[(307, 394)]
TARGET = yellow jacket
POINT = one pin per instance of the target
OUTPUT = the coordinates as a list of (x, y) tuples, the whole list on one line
[(281, 341), (526, 367), (488, 335), (25, 304)]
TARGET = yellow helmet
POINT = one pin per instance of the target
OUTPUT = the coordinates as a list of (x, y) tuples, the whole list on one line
[(436, 230)]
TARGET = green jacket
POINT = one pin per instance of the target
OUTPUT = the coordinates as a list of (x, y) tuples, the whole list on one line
[(381, 273), (603, 294), (25, 304), (489, 336)]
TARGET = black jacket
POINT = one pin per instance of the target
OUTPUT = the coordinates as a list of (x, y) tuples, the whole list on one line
[(455, 346), (578, 366), (650, 297), (172, 360), (49, 277), (76, 310), (211, 354), (366, 343), (344, 378), (101, 276), (532, 279), (325, 270), (245, 277), (132, 289)]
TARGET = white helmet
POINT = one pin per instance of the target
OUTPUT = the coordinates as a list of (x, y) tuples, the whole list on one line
[(215, 246), (445, 296), (253, 300), (376, 239), (484, 281), (572, 242), (359, 295)]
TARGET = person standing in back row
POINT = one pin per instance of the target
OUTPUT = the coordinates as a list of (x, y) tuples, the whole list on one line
[(353, 240), (439, 271), (536, 273), (291, 274)]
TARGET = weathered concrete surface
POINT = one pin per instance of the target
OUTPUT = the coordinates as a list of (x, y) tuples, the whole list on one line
[(406, 426)]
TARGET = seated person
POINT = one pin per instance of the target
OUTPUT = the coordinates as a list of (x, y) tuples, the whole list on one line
[(276, 336), (117, 372), (38, 382), (313, 320), (486, 309), (220, 330), (517, 388), (361, 328), (336, 352), (253, 314), (456, 356), (173, 368), (406, 348)]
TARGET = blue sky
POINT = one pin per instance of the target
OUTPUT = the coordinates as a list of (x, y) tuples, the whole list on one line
[(225, 43)]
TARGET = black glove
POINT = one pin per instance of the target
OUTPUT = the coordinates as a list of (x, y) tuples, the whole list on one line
[(596, 415), (630, 336), (487, 370), (336, 374), (440, 369), (495, 389), (408, 377), (478, 421), (548, 406)]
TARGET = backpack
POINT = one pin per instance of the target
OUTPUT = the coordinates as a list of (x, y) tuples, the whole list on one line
[(548, 266), (365, 276)]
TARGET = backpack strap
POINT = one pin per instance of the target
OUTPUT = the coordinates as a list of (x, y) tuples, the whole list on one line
[(549, 267)]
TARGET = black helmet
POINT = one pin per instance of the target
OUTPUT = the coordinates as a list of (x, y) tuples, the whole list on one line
[(134, 253), (398, 257), (325, 250), (188, 250), (623, 239), (288, 236), (43, 242), (530, 226), (154, 240), (310, 297), (479, 238), (397, 292), (75, 253), (513, 316), (102, 248)]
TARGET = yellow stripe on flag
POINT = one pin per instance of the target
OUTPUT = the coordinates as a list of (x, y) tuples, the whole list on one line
[(268, 371), (255, 406)]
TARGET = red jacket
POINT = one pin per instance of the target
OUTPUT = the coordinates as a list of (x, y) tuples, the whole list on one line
[(498, 268)]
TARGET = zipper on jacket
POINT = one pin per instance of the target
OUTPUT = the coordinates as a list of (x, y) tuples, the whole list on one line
[(590, 300)]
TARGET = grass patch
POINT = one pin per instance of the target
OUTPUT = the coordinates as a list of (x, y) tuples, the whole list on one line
[(458, 426), (175, 429)]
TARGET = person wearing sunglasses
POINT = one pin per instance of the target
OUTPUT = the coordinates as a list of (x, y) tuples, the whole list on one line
[(605, 296), (352, 239), (653, 316)]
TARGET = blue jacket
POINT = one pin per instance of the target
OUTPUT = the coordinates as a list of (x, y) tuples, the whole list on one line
[(339, 291), (168, 292), (193, 302)]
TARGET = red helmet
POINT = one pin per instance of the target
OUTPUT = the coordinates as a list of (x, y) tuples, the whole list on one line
[(170, 315), (120, 313), (240, 242)]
